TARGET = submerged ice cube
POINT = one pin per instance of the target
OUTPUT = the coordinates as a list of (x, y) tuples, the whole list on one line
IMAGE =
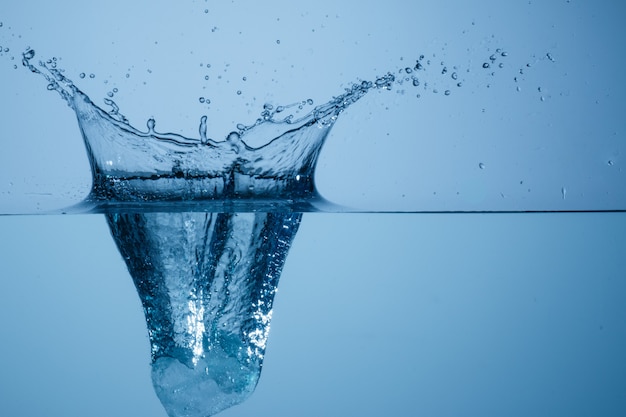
[(207, 283)]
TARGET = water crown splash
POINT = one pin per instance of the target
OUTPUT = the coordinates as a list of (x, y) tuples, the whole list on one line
[(204, 227)]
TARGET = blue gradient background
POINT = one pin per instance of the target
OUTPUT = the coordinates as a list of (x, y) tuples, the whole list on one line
[(436, 315)]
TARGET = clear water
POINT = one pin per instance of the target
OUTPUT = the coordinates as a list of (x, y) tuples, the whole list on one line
[(506, 315)]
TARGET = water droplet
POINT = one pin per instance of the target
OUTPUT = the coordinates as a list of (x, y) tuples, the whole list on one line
[(444, 71), (206, 10), (500, 65), (563, 192), (492, 58), (208, 65), (115, 90), (486, 65), (82, 75), (207, 101), (550, 57), (6, 49), (481, 165), (416, 82), (447, 92), (610, 162), (245, 78), (238, 92), (201, 100), (408, 70), (202, 129), (29, 54), (504, 54), (454, 76), (110, 94), (459, 84), (151, 123), (277, 41), (92, 75), (309, 102), (268, 106), (127, 75)]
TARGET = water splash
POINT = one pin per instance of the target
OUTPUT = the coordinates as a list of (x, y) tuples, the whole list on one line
[(205, 226), (144, 170)]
